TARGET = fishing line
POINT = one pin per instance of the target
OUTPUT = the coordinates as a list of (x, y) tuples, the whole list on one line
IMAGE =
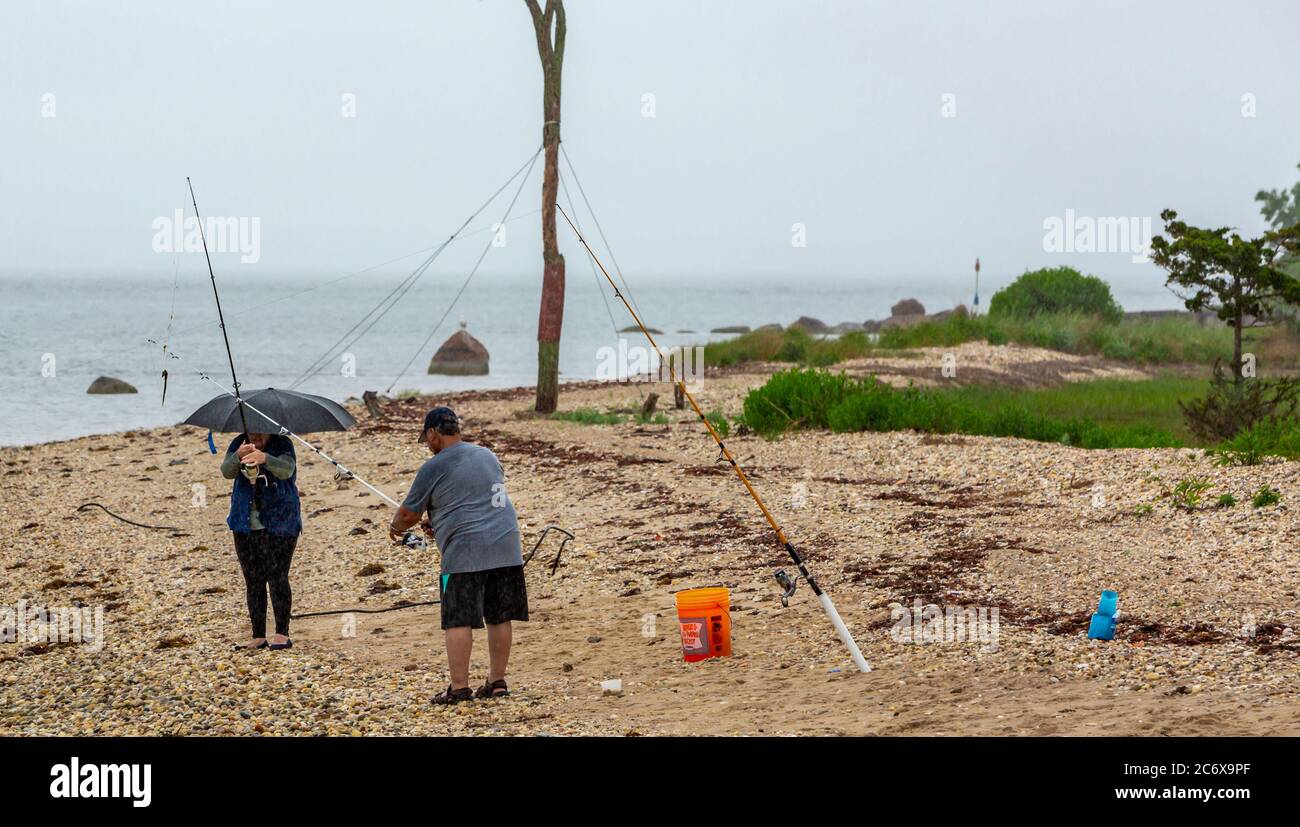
[(171, 316), (578, 182), (246, 310), (787, 583), (599, 287), (472, 272), (104, 508), (341, 469), (400, 291)]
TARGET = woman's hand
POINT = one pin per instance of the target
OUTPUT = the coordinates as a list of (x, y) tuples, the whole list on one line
[(249, 455)]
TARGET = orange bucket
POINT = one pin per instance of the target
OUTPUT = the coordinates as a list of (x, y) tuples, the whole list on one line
[(704, 616)]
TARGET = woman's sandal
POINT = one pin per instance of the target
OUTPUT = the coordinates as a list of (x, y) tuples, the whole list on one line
[(288, 644), (494, 689), (452, 696), (238, 647)]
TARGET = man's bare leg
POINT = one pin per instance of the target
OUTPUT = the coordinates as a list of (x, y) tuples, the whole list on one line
[(460, 641), (499, 636)]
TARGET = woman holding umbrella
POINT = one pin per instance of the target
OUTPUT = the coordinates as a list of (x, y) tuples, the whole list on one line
[(265, 516), (265, 520)]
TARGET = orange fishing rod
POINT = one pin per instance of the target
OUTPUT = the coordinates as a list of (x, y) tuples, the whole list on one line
[(786, 582)]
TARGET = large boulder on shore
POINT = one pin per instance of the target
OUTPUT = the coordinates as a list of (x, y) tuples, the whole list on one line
[(810, 325), (108, 384), (907, 307), (460, 355)]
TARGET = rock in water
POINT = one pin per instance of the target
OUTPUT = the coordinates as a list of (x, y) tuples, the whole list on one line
[(107, 384), (907, 307), (460, 355)]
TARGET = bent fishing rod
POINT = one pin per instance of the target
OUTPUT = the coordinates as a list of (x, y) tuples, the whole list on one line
[(410, 540), (787, 583)]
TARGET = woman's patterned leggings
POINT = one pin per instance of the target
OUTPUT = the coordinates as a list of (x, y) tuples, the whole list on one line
[(265, 559)]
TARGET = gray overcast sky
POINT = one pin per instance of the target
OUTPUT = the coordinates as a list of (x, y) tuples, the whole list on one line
[(767, 114)]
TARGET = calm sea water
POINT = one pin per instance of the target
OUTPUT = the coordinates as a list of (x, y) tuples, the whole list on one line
[(57, 333)]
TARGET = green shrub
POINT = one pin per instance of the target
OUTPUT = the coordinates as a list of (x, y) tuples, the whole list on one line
[(1231, 407), (795, 398), (719, 422), (1187, 494), (1265, 496), (1266, 439), (1226, 501), (1055, 290)]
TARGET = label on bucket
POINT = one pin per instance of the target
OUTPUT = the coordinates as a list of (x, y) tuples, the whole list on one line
[(695, 635)]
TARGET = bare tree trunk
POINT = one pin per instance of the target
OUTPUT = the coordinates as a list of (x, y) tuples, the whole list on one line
[(1237, 378), (550, 28)]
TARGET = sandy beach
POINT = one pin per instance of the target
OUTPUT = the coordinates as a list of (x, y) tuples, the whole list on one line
[(1036, 531)]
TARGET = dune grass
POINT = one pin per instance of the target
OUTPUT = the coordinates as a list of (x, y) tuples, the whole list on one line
[(792, 345), (1108, 402), (591, 416), (1098, 414)]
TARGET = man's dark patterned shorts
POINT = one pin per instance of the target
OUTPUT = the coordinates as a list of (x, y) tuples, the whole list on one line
[(496, 595)]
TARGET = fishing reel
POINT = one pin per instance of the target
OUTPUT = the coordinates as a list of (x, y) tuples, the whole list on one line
[(414, 540), (788, 585)]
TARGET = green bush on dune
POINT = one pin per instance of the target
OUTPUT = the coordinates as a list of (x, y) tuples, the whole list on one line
[(1252, 446), (1054, 290)]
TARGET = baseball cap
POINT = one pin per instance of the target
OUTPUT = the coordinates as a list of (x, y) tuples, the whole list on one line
[(441, 418)]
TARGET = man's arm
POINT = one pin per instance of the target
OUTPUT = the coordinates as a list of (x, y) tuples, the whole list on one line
[(417, 501), (401, 523)]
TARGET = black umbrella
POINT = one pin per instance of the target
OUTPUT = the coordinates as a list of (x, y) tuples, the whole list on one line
[(302, 413)]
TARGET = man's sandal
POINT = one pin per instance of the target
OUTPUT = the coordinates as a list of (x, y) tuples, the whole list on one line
[(494, 689), (452, 696)]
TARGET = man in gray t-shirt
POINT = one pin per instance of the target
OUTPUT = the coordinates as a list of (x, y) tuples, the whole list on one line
[(462, 490)]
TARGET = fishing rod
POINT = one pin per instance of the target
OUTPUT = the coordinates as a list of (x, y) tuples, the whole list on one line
[(787, 583), (555, 564), (411, 539), (341, 469)]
